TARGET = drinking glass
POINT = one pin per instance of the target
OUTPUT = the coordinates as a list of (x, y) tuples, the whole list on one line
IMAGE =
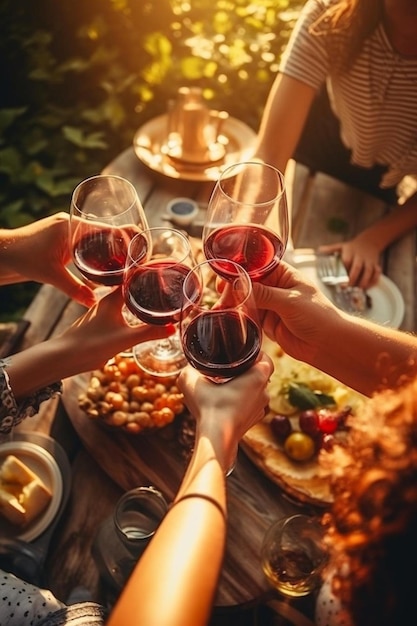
[(220, 331), (123, 537), (158, 260), (105, 214), (247, 218), (294, 555)]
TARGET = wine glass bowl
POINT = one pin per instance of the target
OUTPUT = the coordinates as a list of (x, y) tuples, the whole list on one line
[(158, 260), (219, 327), (105, 214), (247, 218)]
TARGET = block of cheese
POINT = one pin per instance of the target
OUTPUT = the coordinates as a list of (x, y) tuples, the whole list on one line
[(23, 495)]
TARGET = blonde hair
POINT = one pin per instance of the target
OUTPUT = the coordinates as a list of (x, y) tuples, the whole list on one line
[(372, 525)]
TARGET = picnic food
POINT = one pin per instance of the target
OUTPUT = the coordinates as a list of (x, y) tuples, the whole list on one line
[(308, 410), (121, 395), (23, 495)]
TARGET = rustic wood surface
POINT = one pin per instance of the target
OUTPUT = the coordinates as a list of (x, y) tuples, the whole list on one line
[(104, 465)]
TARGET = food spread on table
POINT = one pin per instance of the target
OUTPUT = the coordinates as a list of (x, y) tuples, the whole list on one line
[(308, 411), (121, 395), (23, 495)]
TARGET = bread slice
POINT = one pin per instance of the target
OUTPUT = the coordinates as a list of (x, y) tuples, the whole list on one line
[(23, 494)]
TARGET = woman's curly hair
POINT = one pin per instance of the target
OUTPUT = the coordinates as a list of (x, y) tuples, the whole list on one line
[(372, 525), (346, 24)]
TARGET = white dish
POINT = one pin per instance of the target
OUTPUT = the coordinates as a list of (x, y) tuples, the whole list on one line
[(387, 302), (44, 465), (149, 144)]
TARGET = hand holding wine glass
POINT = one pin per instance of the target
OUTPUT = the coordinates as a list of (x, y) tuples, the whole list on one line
[(247, 218), (158, 261), (220, 332), (105, 214)]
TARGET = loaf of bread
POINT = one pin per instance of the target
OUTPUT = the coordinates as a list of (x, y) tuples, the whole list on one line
[(23, 495)]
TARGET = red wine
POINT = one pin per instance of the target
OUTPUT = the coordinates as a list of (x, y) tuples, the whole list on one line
[(221, 344), (154, 293), (100, 254), (257, 249)]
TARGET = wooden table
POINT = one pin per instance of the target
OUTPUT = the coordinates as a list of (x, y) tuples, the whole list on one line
[(98, 479)]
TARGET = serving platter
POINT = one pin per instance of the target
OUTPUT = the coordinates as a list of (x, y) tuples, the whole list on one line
[(150, 146), (304, 481)]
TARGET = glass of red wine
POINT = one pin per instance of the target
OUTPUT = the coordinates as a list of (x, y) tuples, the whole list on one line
[(105, 214), (220, 331), (158, 260), (247, 218)]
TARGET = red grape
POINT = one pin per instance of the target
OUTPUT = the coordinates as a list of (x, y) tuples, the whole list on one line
[(309, 422), (281, 426)]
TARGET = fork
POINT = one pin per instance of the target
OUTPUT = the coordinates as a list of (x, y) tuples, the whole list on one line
[(333, 274)]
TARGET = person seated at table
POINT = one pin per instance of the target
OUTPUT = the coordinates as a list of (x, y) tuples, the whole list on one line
[(343, 103)]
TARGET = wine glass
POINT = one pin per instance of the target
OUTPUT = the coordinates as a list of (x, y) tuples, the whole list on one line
[(219, 326), (158, 260), (247, 218), (294, 554), (105, 214)]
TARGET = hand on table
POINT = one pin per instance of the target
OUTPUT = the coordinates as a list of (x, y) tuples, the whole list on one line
[(360, 256)]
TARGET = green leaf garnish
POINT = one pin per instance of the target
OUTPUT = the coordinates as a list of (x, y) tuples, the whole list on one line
[(302, 397)]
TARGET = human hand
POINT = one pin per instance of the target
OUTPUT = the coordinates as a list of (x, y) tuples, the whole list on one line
[(224, 412), (295, 312), (40, 252), (360, 256), (102, 332)]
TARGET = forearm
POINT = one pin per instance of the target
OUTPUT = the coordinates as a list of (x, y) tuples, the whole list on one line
[(44, 364), (401, 220), (364, 355), (175, 581)]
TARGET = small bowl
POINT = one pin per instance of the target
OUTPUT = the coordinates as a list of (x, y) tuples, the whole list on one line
[(182, 211)]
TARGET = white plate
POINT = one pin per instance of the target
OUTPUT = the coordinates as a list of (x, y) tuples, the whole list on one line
[(387, 302), (44, 465), (149, 145)]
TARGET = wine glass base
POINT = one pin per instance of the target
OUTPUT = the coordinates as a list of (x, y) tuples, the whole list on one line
[(159, 359)]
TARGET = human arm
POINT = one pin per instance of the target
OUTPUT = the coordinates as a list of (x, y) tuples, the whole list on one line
[(175, 580), (40, 252), (361, 255), (358, 352), (283, 120), (96, 336)]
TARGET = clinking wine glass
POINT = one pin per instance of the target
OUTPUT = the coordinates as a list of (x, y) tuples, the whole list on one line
[(247, 218), (105, 214), (220, 331), (158, 261)]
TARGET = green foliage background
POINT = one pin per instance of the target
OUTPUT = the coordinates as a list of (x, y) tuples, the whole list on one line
[(79, 78)]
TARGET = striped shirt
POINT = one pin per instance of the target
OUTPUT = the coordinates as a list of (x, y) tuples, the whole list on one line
[(375, 101)]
